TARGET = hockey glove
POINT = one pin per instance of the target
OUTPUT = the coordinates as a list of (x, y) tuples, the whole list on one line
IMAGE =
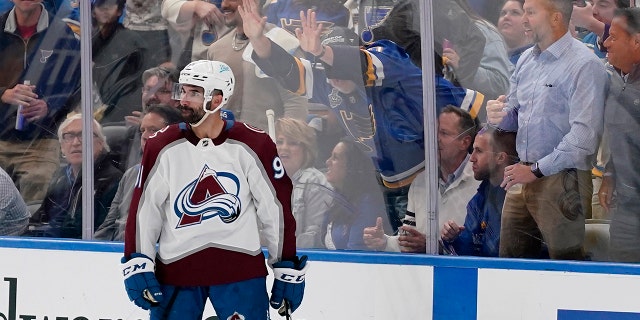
[(288, 283), (140, 281)]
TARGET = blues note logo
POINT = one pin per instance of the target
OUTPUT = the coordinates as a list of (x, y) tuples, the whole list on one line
[(45, 54), (373, 16), (212, 194)]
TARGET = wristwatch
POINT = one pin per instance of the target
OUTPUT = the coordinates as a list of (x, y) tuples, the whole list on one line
[(536, 170)]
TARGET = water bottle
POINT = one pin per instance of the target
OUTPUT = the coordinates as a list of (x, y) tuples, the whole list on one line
[(20, 121)]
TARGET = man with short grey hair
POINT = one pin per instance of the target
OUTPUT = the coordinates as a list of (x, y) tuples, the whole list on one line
[(622, 121), (556, 105)]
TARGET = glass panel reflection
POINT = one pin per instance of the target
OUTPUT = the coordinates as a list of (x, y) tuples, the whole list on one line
[(343, 81)]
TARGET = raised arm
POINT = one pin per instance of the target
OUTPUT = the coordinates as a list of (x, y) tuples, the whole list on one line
[(253, 25), (309, 37), (180, 12)]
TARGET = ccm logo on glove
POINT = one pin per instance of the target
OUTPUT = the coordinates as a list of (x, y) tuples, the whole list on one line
[(133, 269), (140, 282), (291, 278)]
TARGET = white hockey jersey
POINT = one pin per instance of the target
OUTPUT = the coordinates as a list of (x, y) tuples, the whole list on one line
[(208, 203)]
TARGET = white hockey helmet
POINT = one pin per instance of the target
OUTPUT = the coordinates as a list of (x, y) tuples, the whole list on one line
[(210, 76)]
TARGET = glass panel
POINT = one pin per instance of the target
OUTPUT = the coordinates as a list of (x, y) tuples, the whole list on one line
[(40, 62), (340, 91), (366, 113), (552, 169)]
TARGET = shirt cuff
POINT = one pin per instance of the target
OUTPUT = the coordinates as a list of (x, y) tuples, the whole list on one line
[(392, 244)]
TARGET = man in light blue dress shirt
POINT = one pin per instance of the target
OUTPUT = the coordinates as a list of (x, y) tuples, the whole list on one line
[(556, 105)]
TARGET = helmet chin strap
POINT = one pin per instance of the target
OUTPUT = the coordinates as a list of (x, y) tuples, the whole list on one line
[(206, 113), (193, 125)]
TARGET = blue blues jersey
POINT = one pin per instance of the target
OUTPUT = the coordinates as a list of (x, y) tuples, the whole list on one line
[(384, 114)]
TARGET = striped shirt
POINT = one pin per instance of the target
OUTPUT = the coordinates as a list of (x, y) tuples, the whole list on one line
[(556, 104), (14, 214)]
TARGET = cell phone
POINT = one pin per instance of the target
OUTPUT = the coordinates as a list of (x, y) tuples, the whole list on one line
[(446, 44), (580, 3)]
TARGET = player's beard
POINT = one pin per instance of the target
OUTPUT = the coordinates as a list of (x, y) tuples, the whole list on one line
[(191, 115), (481, 174)]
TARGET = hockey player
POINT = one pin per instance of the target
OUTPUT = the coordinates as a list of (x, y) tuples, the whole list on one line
[(207, 192)]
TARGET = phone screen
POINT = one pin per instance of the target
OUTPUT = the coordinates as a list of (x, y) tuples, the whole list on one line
[(446, 44)]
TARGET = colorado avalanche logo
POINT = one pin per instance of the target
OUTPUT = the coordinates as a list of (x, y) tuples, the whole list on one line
[(207, 197), (236, 316)]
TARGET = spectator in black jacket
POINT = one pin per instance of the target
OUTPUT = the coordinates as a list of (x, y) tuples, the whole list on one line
[(62, 207)]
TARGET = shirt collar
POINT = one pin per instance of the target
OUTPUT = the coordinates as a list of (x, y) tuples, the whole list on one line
[(456, 174), (634, 74), (43, 22), (557, 48), (70, 178)]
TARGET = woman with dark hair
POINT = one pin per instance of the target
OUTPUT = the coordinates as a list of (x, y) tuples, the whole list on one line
[(512, 30), (357, 200)]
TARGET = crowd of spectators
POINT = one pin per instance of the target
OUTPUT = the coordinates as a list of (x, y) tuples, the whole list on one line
[(536, 128)]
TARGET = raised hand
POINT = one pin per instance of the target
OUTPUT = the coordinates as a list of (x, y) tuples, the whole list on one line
[(309, 34), (451, 58), (495, 112), (374, 236), (583, 16), (252, 22), (208, 13)]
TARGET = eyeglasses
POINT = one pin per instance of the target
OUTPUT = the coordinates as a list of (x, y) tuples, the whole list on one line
[(69, 137)]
